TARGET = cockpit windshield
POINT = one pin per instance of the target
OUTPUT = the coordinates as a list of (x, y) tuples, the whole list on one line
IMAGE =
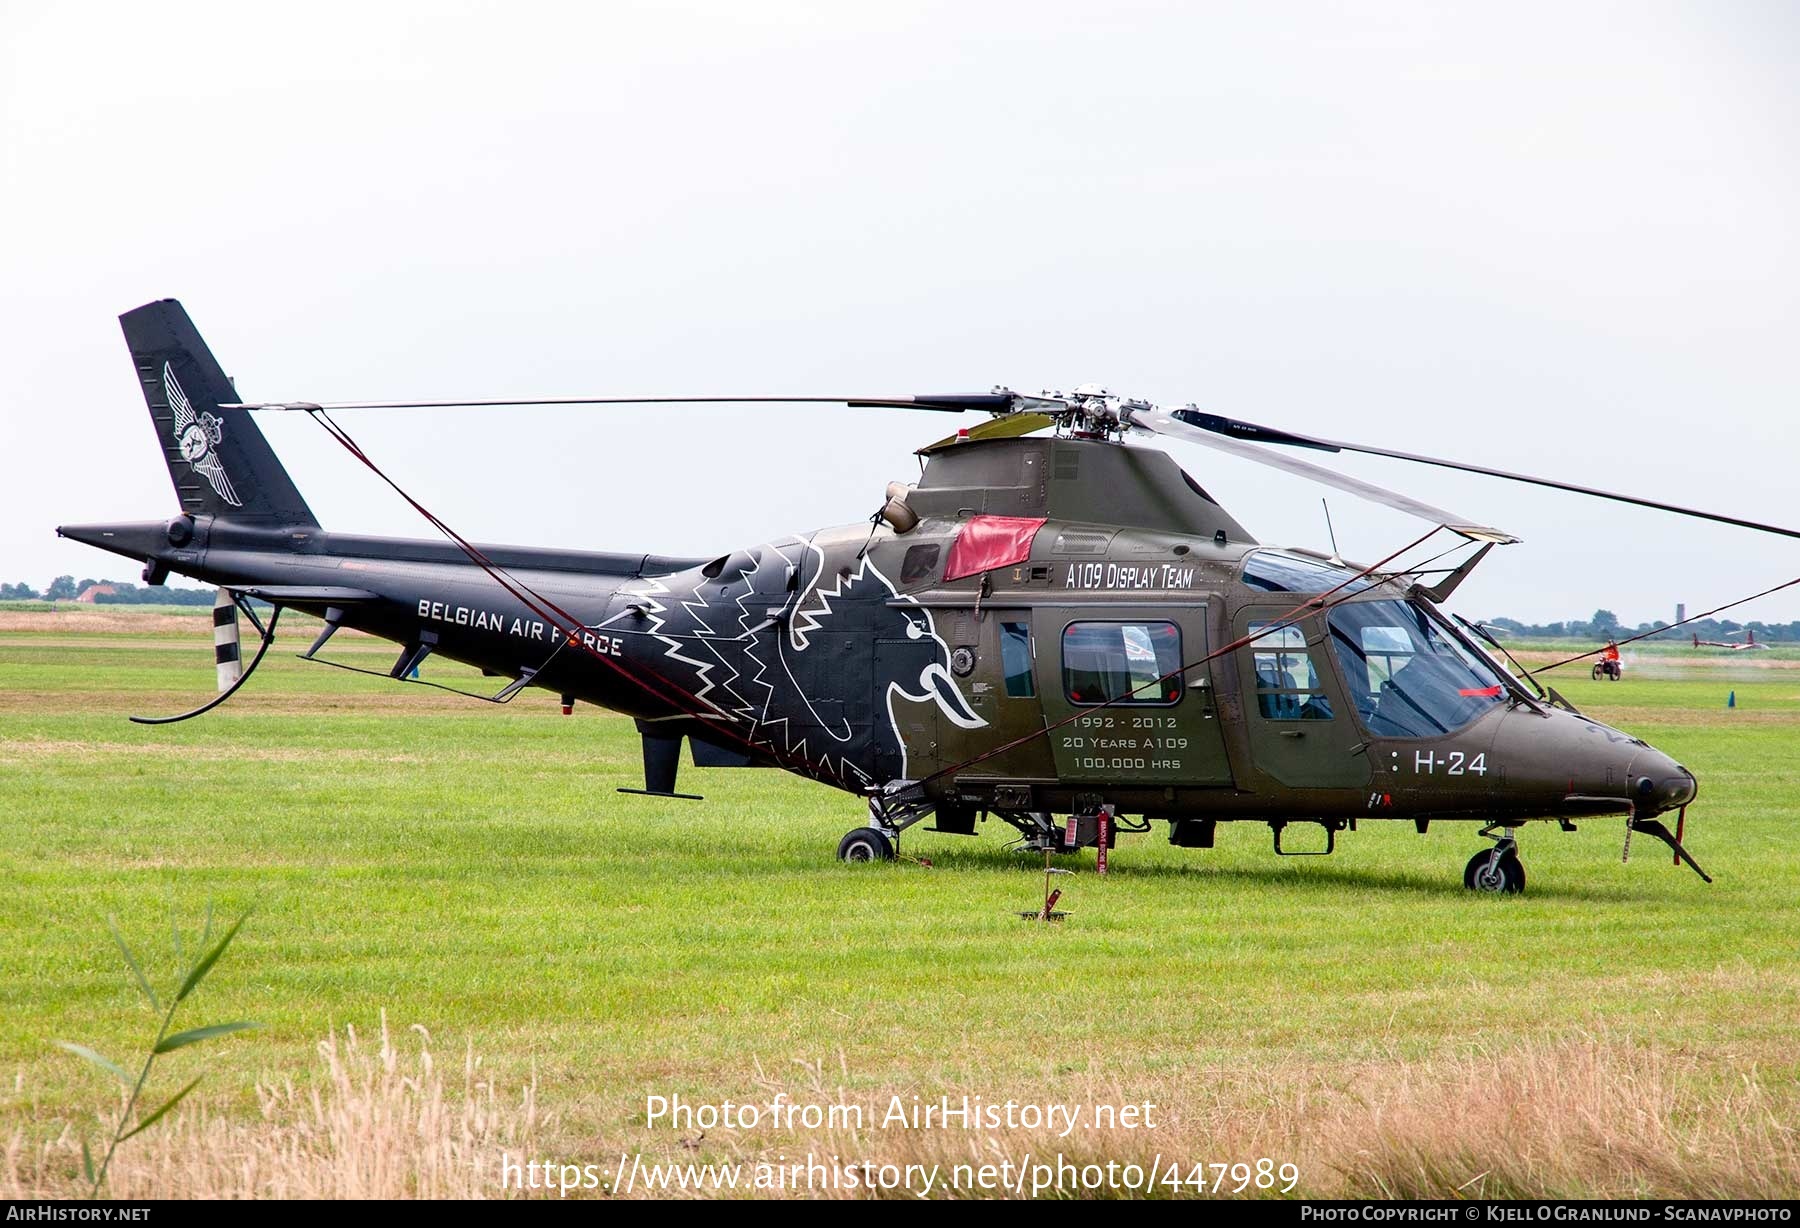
[(1276, 571), (1408, 677)]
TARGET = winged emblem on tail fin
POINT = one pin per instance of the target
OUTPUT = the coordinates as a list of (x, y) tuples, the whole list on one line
[(198, 436)]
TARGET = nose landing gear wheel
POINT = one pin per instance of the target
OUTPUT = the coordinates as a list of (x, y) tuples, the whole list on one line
[(866, 844), (1496, 871)]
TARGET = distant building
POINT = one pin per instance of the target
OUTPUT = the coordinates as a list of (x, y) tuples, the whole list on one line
[(93, 591), (1681, 611)]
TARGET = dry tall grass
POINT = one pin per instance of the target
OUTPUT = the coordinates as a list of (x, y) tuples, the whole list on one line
[(378, 1123), (1587, 1116), (1583, 1116)]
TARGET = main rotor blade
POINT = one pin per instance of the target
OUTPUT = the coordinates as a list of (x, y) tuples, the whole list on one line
[(1176, 425), (1249, 432), (951, 403), (1235, 429)]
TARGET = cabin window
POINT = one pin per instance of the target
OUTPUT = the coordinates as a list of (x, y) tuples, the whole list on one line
[(1126, 663), (919, 563), (1408, 677), (1015, 659), (1287, 685)]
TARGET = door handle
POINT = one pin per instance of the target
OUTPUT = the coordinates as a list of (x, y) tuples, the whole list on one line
[(1293, 733)]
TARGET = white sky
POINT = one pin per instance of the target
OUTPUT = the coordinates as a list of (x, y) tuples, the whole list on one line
[(1551, 237)]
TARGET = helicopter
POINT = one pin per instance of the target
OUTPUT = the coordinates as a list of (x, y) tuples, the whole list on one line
[(1748, 644), (1059, 631)]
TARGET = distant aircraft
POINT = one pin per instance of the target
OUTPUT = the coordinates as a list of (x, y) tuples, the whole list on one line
[(1748, 644)]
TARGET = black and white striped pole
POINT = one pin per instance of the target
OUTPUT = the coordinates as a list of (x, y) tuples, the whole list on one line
[(225, 639)]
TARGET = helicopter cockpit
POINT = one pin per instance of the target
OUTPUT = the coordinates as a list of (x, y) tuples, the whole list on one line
[(1405, 671), (1407, 676)]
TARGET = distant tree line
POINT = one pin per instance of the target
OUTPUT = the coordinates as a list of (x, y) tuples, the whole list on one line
[(67, 588), (1605, 625)]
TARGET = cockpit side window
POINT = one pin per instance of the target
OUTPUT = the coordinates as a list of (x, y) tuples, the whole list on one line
[(1407, 676), (1287, 685)]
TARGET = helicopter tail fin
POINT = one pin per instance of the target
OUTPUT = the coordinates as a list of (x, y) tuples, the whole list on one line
[(220, 462)]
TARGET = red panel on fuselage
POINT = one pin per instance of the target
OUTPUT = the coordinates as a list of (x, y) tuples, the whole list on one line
[(987, 542)]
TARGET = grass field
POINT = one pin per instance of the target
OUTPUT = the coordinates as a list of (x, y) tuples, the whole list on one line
[(1623, 1028)]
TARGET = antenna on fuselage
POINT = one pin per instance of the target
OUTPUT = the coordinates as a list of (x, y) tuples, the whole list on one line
[(1336, 558)]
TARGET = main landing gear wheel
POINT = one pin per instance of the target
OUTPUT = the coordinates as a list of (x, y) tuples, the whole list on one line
[(866, 844), (1496, 871)]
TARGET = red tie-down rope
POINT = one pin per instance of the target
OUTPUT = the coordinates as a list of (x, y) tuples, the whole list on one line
[(571, 627)]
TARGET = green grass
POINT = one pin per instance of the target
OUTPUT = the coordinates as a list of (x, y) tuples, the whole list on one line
[(471, 869), (70, 606)]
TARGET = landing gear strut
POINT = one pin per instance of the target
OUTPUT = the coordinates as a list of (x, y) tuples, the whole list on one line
[(1497, 869), (891, 812)]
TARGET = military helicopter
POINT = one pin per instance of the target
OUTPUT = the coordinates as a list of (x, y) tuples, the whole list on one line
[(1731, 643), (1042, 628)]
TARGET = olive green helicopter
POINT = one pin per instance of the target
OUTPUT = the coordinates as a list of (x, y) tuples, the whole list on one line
[(1051, 628)]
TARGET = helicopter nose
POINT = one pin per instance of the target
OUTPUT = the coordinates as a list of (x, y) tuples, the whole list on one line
[(1659, 783)]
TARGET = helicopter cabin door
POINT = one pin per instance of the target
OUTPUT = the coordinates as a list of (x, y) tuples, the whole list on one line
[(1160, 724), (1299, 723)]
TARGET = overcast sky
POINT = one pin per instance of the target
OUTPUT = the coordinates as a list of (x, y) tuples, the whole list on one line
[(1554, 237)]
